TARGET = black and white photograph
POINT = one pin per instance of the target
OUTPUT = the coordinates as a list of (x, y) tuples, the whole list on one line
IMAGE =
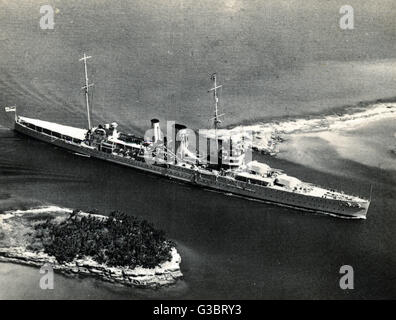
[(185, 150)]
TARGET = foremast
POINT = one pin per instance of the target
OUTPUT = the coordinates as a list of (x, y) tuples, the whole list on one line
[(86, 88)]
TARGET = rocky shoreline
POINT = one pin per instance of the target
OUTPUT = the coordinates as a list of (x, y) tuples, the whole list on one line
[(165, 274), (16, 251)]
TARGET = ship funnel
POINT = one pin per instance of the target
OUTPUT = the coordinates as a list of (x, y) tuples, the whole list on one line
[(179, 139), (113, 128), (156, 129)]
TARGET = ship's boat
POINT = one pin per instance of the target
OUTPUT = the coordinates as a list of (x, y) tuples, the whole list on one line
[(287, 181), (259, 168)]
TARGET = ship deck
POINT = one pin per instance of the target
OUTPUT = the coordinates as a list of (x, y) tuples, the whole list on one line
[(69, 131)]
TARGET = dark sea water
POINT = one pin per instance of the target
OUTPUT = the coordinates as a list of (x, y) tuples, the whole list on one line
[(230, 247), (154, 60)]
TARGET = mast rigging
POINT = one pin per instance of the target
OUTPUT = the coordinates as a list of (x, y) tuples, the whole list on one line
[(86, 87), (216, 120)]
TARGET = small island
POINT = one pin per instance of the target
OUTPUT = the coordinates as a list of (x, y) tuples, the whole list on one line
[(117, 248)]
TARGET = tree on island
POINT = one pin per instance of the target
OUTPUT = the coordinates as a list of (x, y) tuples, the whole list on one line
[(119, 240)]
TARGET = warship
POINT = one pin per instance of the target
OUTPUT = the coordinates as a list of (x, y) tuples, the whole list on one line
[(217, 162)]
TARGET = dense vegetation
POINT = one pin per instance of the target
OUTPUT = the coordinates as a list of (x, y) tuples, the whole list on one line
[(120, 240)]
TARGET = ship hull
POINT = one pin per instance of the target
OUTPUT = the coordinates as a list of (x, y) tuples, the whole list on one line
[(339, 208)]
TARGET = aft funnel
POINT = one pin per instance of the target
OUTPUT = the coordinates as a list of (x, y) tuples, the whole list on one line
[(156, 129)]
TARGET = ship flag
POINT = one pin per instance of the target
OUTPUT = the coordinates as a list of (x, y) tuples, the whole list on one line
[(10, 109)]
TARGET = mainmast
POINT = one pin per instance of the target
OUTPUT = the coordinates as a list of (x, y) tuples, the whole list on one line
[(216, 120), (86, 87), (216, 117)]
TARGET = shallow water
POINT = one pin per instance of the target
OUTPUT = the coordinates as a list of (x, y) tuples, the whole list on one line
[(371, 144)]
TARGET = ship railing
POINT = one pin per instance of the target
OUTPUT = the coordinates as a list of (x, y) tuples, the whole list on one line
[(53, 134)]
